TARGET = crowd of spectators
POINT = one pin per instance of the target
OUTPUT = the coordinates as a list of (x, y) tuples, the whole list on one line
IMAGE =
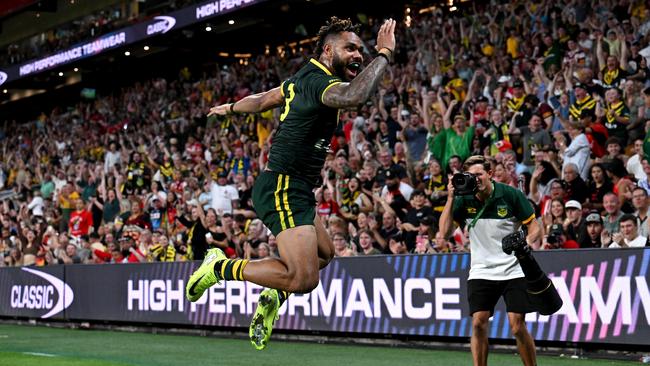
[(85, 28), (554, 94)]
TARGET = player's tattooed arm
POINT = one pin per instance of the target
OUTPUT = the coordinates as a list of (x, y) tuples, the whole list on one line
[(351, 94)]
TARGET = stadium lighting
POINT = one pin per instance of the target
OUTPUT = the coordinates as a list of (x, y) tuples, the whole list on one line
[(453, 8), (231, 22), (146, 48), (76, 69), (127, 53), (208, 28), (5, 91), (60, 73)]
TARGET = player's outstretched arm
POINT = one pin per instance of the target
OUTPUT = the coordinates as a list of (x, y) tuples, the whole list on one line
[(254, 103), (357, 91)]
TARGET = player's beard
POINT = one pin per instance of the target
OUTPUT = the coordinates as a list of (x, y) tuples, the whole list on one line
[(339, 67)]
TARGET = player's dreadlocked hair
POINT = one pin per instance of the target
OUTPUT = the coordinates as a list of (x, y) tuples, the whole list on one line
[(334, 26)]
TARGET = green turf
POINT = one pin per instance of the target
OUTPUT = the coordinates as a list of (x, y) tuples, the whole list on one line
[(106, 348)]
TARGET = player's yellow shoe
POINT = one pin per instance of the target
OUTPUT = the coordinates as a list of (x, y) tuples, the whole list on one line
[(204, 276), (265, 316)]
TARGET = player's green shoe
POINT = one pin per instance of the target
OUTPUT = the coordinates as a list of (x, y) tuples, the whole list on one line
[(265, 316), (204, 276)]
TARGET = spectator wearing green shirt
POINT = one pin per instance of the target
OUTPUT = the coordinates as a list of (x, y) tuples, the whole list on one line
[(47, 189), (454, 139)]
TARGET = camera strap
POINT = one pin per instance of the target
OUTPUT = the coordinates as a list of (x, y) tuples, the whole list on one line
[(480, 212)]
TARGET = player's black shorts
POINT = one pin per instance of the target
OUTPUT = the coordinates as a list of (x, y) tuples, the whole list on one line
[(483, 295), (283, 202)]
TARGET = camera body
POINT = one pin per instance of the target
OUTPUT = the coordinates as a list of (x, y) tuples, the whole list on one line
[(464, 184), (553, 238)]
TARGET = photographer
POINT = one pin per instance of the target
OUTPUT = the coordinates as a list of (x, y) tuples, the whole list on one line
[(492, 211)]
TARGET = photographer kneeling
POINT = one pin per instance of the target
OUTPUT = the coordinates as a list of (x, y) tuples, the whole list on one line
[(492, 211)]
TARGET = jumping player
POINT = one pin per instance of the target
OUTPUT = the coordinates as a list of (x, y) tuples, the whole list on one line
[(283, 194)]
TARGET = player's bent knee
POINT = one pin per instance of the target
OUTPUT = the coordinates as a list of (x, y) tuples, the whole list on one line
[(328, 254), (304, 283)]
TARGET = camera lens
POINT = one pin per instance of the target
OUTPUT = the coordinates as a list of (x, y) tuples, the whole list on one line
[(458, 180), (464, 184)]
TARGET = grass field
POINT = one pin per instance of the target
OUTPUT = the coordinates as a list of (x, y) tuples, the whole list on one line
[(40, 346)]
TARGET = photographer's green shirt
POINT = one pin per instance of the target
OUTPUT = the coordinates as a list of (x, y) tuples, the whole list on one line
[(502, 214)]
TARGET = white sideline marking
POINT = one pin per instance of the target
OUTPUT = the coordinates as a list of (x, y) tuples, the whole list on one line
[(4, 336), (39, 354)]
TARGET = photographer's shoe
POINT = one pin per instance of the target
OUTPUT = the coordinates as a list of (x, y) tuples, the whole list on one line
[(204, 276)]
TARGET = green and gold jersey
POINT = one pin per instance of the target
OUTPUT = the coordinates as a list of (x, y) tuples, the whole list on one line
[(502, 214), (303, 138), (588, 104), (613, 78), (614, 127), (514, 104)]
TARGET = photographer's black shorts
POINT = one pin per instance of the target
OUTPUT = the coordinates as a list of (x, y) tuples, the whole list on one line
[(483, 295)]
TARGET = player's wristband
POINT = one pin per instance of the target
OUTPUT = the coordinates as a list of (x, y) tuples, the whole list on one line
[(389, 50), (232, 108), (381, 54)]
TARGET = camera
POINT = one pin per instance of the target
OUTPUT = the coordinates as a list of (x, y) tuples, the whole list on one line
[(553, 238), (464, 184), (542, 294), (515, 242)]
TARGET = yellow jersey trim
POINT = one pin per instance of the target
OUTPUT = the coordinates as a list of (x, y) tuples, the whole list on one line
[(327, 88), (320, 66), (528, 220)]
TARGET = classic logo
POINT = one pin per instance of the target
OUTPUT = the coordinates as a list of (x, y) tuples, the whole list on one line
[(42, 296), (502, 211), (3, 77), (164, 23)]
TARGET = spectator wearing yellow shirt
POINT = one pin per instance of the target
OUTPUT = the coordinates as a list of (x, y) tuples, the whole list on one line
[(264, 128), (67, 197), (512, 44), (455, 85)]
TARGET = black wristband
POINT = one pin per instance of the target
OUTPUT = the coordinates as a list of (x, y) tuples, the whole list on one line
[(384, 56), (232, 107)]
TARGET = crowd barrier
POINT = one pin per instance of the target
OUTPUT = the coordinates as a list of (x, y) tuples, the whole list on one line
[(605, 293)]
